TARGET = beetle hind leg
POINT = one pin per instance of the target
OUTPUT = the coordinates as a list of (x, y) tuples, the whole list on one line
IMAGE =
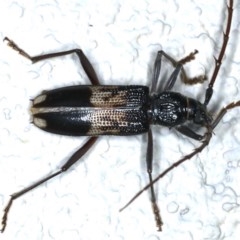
[(87, 66), (72, 160)]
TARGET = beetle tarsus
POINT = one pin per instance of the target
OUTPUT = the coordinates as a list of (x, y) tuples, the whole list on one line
[(157, 215), (5, 215), (15, 47)]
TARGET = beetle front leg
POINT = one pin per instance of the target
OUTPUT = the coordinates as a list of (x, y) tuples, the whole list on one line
[(178, 68), (157, 69), (87, 66), (194, 80), (73, 159), (189, 133)]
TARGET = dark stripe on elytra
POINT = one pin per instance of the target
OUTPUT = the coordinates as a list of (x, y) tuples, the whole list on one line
[(73, 96), (82, 96), (62, 123)]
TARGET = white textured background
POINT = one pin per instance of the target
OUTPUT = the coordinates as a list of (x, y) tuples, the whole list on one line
[(199, 200)]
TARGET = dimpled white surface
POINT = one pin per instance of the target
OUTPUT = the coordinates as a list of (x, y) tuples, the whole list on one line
[(198, 200)]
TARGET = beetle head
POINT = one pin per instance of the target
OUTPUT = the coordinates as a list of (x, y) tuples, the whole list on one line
[(200, 115)]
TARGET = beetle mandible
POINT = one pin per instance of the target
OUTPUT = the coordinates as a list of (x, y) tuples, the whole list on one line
[(95, 110)]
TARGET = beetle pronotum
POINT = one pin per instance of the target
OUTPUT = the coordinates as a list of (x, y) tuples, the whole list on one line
[(122, 115)]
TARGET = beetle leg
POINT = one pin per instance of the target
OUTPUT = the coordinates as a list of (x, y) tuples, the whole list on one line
[(87, 66), (223, 112), (149, 158), (189, 133), (157, 68), (194, 80), (177, 64), (156, 71), (73, 159), (171, 81)]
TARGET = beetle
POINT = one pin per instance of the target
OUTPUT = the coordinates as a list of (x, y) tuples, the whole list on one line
[(95, 110)]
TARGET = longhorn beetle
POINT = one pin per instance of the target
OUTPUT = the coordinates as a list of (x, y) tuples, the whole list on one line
[(94, 110)]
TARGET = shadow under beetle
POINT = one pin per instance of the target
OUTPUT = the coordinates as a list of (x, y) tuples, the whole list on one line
[(94, 110)]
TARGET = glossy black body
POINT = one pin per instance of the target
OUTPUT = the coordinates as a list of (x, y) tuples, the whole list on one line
[(84, 110)]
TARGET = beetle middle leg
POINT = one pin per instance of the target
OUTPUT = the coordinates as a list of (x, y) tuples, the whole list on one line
[(149, 159)]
